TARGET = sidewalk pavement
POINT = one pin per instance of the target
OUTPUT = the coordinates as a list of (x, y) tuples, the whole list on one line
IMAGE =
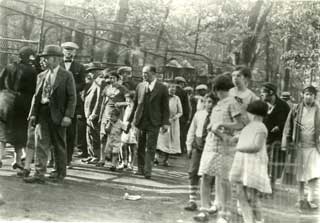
[(96, 194)]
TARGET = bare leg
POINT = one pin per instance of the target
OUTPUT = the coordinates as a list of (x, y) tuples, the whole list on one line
[(205, 190), (225, 195), (29, 157), (247, 211)]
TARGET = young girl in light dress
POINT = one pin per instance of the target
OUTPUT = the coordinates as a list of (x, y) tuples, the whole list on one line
[(250, 165)]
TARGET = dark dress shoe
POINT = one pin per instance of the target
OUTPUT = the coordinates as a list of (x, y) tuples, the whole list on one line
[(147, 177), (1, 164), (23, 173), (191, 206), (86, 160), (100, 164), (112, 168), (17, 166), (34, 179), (93, 161)]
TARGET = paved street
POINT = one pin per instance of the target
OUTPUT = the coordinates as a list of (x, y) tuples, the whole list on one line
[(95, 194)]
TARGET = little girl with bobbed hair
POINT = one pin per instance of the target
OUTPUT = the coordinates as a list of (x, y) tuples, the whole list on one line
[(250, 165)]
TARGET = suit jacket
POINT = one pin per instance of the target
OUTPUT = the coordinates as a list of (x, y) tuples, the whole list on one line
[(92, 96), (277, 117), (158, 104), (63, 98), (183, 96), (79, 75)]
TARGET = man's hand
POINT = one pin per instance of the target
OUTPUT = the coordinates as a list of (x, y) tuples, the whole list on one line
[(275, 129), (164, 129), (66, 121), (32, 121), (79, 116)]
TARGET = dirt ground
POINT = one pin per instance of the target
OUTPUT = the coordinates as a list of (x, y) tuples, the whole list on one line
[(91, 194)]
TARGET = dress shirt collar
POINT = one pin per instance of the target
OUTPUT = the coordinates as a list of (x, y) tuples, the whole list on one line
[(152, 84)]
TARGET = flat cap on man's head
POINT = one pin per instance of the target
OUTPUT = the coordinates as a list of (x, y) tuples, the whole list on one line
[(188, 88), (51, 50), (70, 45), (180, 79), (310, 89), (124, 69), (270, 86), (202, 87)]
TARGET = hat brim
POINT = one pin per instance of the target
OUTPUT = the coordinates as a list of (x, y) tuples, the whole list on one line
[(94, 69), (51, 55)]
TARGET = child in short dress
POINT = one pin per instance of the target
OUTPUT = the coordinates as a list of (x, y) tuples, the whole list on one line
[(250, 165), (114, 130), (129, 140)]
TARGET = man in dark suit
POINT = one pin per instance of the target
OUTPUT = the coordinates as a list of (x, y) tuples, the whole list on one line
[(183, 120), (52, 109), (275, 121), (150, 115), (69, 50)]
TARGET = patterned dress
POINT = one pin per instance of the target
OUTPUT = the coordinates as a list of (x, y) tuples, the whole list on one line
[(217, 156), (251, 169)]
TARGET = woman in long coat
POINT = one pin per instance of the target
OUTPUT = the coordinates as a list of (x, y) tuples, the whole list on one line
[(17, 86), (169, 142)]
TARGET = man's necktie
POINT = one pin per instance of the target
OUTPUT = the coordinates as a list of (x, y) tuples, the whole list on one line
[(205, 126), (47, 86)]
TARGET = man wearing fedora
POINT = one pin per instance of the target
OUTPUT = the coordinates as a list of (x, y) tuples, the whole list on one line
[(52, 110), (69, 50)]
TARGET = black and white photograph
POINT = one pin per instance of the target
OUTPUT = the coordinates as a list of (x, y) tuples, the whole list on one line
[(160, 111)]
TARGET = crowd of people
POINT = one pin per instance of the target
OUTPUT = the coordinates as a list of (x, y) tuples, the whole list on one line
[(233, 137)]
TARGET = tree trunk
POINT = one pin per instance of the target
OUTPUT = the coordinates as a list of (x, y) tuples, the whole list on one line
[(162, 28), (286, 77), (267, 52), (256, 21), (121, 17), (197, 35)]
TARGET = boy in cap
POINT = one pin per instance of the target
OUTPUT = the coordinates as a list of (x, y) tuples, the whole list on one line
[(201, 90)]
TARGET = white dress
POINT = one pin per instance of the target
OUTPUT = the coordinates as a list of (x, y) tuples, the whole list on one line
[(169, 142), (251, 169)]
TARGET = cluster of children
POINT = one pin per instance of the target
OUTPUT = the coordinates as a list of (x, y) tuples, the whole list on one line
[(228, 150)]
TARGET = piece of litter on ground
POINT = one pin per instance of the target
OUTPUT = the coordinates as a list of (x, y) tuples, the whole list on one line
[(131, 197)]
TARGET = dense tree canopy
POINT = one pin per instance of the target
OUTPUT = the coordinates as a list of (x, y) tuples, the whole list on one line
[(279, 39)]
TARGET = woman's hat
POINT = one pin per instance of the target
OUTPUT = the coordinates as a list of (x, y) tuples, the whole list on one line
[(51, 50), (258, 107)]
